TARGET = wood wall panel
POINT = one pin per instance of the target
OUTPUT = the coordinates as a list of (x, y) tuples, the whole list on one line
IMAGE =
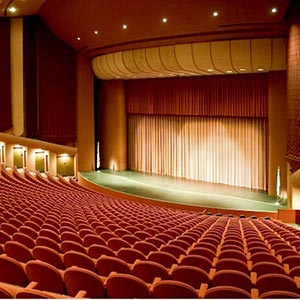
[(5, 75)]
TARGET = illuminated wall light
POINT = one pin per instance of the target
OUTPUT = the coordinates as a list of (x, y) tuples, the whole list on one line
[(12, 9), (210, 70), (215, 13), (243, 70), (39, 151), (260, 69), (124, 26), (228, 71), (165, 20), (113, 165)]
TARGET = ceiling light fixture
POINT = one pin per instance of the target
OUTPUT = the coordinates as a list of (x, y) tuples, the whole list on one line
[(124, 26), (165, 20), (78, 38), (215, 13), (274, 10), (96, 32)]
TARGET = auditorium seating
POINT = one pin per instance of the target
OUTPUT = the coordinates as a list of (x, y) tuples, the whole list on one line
[(60, 240)]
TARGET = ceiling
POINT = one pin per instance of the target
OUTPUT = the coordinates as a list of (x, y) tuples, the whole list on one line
[(95, 27), (166, 38)]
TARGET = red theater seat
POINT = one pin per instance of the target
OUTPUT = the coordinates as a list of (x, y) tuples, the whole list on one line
[(78, 279), (126, 286), (149, 270)]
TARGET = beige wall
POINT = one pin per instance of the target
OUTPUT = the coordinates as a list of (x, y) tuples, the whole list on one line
[(85, 115), (277, 131), (113, 125)]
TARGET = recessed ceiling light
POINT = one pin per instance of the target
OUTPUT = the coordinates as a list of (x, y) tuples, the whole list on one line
[(215, 13), (274, 10), (228, 71), (96, 32), (165, 20), (124, 26), (260, 69), (210, 70), (12, 9), (78, 38)]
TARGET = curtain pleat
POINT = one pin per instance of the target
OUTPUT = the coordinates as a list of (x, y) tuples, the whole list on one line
[(244, 95), (215, 149)]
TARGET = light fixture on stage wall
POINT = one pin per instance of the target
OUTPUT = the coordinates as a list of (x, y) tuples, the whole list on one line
[(98, 161), (278, 182)]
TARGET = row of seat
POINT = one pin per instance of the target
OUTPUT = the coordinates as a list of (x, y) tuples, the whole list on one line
[(49, 220), (183, 282)]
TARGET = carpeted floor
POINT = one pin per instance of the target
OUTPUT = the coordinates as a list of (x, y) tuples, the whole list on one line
[(183, 191)]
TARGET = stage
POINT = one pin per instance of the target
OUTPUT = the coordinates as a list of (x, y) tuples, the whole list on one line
[(183, 191)]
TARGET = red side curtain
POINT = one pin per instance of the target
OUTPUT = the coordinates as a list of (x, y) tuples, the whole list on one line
[(243, 95), (293, 75), (56, 89), (5, 81)]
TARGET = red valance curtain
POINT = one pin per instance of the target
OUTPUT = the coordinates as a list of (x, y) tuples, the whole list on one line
[(5, 81), (243, 95)]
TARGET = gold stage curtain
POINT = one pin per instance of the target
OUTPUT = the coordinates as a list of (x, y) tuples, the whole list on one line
[(228, 150)]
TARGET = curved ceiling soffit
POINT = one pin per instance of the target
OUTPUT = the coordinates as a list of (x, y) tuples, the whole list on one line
[(194, 59)]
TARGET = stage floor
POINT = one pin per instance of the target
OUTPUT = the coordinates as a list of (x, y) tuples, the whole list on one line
[(184, 191)]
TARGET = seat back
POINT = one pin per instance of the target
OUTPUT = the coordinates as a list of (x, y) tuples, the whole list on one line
[(47, 277), (278, 282), (126, 286), (130, 255), (149, 270), (49, 256), (226, 292), (12, 271), (47, 242), (95, 251), (173, 289), (208, 253), (93, 239), (18, 251), (117, 243), (163, 258), (77, 279), (24, 239), (279, 295), (71, 245), (198, 261), (173, 249), (232, 278), (81, 260), (262, 268), (232, 264), (145, 247), (107, 264), (190, 275)]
